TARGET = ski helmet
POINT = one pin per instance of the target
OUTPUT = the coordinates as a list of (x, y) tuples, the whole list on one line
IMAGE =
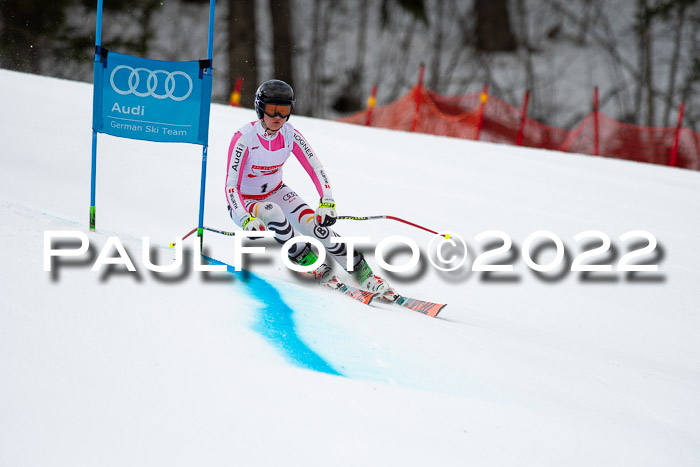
[(273, 91)]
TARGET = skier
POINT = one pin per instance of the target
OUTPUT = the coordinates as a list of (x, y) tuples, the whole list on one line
[(258, 199)]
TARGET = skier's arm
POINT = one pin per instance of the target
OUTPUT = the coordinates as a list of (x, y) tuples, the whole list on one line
[(325, 213), (237, 155), (308, 159)]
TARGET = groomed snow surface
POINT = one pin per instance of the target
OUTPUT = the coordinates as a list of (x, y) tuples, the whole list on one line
[(115, 368)]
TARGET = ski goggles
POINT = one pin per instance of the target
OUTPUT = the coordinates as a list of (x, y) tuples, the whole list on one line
[(274, 110)]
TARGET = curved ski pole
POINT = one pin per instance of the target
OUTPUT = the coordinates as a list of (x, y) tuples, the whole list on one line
[(354, 218), (367, 218), (222, 232)]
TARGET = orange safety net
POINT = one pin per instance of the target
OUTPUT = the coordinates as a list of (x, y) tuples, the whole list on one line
[(486, 118)]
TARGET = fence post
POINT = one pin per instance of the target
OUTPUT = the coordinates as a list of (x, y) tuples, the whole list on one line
[(526, 99), (418, 96), (674, 150), (484, 98), (370, 105), (596, 125), (235, 98)]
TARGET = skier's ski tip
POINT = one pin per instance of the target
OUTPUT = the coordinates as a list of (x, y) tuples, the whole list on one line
[(421, 306)]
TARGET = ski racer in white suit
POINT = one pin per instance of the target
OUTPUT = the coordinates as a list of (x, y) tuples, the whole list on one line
[(258, 199)]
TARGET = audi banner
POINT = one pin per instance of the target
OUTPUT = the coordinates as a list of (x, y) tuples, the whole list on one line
[(151, 100)]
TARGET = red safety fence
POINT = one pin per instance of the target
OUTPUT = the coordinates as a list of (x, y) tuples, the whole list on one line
[(486, 118)]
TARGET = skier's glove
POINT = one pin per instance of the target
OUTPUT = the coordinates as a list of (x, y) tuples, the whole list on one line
[(253, 224), (325, 213)]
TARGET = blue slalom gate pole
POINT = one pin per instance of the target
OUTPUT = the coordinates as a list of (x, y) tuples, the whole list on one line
[(205, 148), (210, 44), (200, 225), (93, 178), (93, 175)]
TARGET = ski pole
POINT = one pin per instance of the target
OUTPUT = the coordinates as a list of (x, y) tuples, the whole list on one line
[(222, 232), (354, 218), (367, 218), (172, 244)]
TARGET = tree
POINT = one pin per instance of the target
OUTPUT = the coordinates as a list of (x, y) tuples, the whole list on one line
[(493, 30), (241, 48), (141, 13), (438, 42), (282, 45), (645, 91), (27, 30), (415, 7), (351, 95), (315, 84)]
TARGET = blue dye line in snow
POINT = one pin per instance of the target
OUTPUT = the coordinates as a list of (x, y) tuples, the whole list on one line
[(276, 323)]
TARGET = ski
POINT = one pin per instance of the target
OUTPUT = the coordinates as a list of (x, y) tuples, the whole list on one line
[(360, 295), (421, 306)]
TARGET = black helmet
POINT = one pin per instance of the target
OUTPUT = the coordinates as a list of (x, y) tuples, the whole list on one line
[(273, 91)]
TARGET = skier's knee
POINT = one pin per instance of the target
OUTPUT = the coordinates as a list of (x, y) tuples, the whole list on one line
[(269, 212), (322, 233)]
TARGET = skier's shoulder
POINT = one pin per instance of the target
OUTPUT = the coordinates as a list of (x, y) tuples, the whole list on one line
[(295, 134), (248, 128), (288, 126), (287, 130), (243, 137)]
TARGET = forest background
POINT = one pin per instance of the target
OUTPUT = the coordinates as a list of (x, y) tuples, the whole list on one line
[(641, 54)]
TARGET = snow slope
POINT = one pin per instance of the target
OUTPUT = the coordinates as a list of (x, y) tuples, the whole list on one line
[(115, 368)]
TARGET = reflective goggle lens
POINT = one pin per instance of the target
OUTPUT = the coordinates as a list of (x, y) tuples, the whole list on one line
[(273, 110)]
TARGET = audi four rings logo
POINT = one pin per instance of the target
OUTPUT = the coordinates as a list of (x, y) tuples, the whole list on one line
[(152, 77)]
